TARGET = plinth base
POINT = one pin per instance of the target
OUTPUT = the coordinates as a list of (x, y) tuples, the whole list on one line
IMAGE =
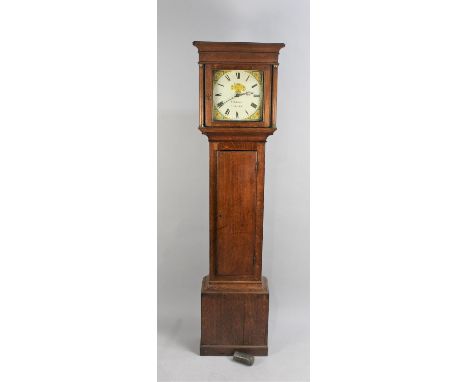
[(234, 316), (229, 350)]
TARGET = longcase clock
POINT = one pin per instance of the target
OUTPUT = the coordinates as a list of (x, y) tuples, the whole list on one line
[(238, 87)]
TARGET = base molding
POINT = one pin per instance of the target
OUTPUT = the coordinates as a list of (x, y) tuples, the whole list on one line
[(257, 287), (214, 350)]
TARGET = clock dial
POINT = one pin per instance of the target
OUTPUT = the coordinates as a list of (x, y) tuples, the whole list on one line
[(237, 95)]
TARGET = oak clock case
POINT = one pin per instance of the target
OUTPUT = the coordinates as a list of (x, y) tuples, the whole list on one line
[(237, 112)]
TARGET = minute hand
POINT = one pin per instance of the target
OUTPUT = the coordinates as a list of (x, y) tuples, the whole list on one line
[(238, 95)]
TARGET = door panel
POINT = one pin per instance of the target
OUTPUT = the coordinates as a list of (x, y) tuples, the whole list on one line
[(235, 221)]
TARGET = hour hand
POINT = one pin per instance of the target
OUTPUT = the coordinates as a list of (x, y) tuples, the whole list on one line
[(237, 95), (246, 93)]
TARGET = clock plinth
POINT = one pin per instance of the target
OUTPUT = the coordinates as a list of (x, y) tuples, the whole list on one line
[(234, 318), (238, 83)]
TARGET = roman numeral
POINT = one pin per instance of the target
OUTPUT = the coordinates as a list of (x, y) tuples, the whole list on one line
[(220, 85), (218, 95), (219, 104), (256, 95), (238, 75), (246, 112), (226, 112), (247, 78), (237, 114), (253, 105), (254, 85), (228, 78)]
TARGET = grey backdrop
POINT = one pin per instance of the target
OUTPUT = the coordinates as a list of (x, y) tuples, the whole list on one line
[(183, 188)]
